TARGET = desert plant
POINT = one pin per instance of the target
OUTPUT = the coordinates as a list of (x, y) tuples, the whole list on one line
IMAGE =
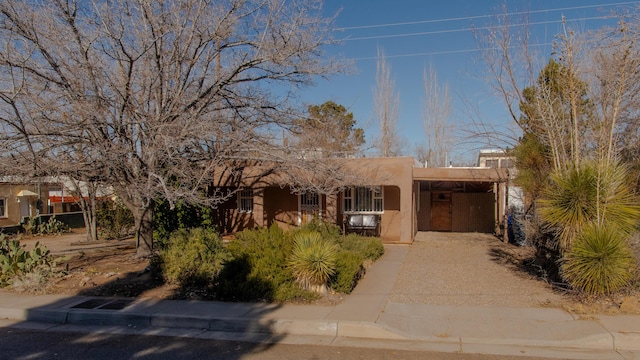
[(15, 260), (114, 219), (193, 257), (313, 260), (34, 282), (569, 203), (52, 226), (589, 194), (599, 262), (329, 231), (349, 270), (258, 268), (370, 248), (30, 227)]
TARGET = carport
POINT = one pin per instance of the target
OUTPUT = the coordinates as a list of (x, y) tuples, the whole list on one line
[(460, 199)]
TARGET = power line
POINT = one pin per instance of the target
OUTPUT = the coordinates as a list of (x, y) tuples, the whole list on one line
[(483, 16), (466, 29), (447, 52)]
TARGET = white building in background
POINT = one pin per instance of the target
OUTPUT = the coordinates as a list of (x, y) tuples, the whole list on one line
[(499, 159)]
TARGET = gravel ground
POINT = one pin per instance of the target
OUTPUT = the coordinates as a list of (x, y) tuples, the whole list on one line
[(468, 269)]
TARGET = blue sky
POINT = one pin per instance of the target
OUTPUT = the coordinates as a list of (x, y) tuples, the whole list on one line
[(421, 33)]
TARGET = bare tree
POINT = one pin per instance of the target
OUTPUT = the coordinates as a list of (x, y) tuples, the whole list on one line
[(556, 101), (386, 104), (154, 96), (437, 109)]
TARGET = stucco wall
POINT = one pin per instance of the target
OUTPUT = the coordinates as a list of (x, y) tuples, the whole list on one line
[(10, 191), (281, 207)]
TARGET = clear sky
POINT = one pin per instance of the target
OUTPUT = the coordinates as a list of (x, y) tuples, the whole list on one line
[(415, 34)]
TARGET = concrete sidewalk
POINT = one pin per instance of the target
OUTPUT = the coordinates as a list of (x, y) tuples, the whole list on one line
[(366, 318)]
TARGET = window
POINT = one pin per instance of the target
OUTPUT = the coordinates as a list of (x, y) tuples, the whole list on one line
[(245, 200), (492, 163), (309, 200), (506, 163), (362, 199), (3, 207)]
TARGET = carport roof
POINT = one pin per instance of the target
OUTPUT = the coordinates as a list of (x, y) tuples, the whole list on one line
[(461, 174)]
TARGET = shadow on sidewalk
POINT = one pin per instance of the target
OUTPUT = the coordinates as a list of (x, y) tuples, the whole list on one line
[(102, 322)]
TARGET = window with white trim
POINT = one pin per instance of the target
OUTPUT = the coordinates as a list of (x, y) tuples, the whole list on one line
[(309, 199), (362, 199), (3, 207), (245, 200)]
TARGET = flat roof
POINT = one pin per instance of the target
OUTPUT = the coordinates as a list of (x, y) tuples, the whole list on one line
[(470, 174)]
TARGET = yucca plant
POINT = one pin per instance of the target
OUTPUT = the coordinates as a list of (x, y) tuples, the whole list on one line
[(570, 202), (313, 260), (589, 194), (599, 262), (619, 207)]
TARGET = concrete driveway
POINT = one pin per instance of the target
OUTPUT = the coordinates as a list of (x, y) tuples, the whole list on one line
[(467, 269)]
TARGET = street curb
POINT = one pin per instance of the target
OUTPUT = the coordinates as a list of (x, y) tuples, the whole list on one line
[(324, 328)]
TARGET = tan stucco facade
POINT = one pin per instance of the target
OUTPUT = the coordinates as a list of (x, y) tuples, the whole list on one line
[(21, 200), (475, 199)]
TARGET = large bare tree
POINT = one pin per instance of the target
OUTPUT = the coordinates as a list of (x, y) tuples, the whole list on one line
[(386, 105), (151, 97)]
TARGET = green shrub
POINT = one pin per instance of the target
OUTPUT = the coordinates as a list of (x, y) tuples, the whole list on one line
[(599, 262), (53, 226), (114, 219), (258, 268), (327, 230), (349, 270), (30, 227), (370, 248), (193, 257), (313, 260), (16, 261), (166, 220)]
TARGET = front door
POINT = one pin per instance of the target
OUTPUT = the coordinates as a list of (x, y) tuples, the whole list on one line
[(309, 208), (25, 207), (441, 211)]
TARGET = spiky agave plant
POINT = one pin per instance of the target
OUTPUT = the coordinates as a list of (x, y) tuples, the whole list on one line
[(313, 260), (590, 194), (599, 262), (570, 202)]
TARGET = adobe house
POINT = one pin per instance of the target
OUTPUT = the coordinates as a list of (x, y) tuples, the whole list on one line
[(404, 198)]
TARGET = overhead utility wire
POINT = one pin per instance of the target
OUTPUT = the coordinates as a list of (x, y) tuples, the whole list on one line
[(446, 52), (466, 29), (483, 16)]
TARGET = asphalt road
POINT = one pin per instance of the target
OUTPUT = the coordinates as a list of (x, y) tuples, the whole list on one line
[(17, 344)]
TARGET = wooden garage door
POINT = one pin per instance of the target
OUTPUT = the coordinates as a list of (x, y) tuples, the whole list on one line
[(441, 211)]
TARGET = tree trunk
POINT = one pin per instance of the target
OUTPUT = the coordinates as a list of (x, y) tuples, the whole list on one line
[(93, 224), (88, 208), (143, 218)]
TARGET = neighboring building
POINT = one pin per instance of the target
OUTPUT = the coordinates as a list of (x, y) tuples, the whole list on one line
[(20, 200), (495, 158)]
